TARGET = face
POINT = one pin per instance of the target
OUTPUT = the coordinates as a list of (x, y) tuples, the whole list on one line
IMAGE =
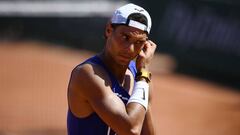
[(124, 43)]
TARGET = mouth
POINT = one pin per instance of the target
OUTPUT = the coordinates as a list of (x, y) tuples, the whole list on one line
[(125, 57)]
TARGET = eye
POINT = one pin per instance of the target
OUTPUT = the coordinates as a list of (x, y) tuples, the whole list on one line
[(125, 37), (139, 42)]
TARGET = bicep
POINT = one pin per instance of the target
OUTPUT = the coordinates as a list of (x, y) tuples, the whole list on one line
[(96, 89), (112, 110)]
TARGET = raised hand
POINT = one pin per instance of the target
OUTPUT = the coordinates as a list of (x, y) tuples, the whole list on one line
[(145, 56)]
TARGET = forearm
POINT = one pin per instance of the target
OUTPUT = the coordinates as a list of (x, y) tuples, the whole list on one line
[(148, 125), (138, 104), (136, 114), (144, 121)]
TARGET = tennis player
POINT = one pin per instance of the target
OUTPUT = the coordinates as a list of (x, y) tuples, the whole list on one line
[(109, 93)]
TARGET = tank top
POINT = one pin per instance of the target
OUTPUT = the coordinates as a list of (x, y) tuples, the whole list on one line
[(92, 124)]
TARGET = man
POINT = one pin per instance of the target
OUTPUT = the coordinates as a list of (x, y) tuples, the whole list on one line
[(109, 93)]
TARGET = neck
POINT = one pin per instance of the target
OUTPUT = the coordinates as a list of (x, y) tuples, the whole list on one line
[(116, 69)]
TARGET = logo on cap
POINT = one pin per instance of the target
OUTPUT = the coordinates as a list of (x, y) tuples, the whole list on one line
[(139, 10)]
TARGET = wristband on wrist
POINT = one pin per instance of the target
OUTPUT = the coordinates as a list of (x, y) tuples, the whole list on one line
[(140, 94)]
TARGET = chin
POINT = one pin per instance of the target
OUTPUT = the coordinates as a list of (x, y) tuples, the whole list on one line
[(123, 62)]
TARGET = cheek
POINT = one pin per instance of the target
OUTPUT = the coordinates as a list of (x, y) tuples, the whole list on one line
[(139, 48), (112, 46), (116, 44)]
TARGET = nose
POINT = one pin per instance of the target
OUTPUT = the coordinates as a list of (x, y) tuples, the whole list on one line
[(129, 48)]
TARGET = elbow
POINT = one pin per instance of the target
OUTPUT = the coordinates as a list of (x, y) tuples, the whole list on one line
[(135, 131), (130, 131), (131, 128)]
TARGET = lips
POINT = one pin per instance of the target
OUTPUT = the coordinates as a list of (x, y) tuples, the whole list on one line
[(126, 57)]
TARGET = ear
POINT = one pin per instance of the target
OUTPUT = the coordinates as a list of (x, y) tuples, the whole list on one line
[(108, 30)]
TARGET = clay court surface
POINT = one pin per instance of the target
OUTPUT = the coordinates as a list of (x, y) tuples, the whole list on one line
[(34, 79)]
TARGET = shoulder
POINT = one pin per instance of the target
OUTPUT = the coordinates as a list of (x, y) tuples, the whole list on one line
[(87, 83), (89, 80), (89, 73)]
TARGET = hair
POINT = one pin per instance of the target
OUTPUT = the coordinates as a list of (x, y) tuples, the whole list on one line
[(134, 16), (139, 18)]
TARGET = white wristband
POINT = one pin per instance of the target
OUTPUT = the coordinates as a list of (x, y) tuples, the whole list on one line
[(140, 94)]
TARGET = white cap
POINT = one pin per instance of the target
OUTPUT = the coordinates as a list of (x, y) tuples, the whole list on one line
[(120, 16)]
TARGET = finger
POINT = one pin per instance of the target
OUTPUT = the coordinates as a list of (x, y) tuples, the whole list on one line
[(148, 44), (152, 43), (149, 49), (142, 53)]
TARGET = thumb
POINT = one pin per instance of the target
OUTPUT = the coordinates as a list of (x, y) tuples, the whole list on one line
[(141, 54)]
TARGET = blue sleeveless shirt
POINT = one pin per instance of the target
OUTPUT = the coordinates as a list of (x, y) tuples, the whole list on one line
[(92, 124)]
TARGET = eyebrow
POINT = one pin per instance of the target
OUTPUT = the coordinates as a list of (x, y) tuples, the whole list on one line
[(130, 35)]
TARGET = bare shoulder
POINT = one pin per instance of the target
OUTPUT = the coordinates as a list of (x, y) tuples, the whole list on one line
[(89, 73), (85, 84)]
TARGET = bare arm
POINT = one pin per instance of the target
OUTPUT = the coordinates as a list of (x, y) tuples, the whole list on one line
[(92, 84), (148, 126), (89, 82)]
